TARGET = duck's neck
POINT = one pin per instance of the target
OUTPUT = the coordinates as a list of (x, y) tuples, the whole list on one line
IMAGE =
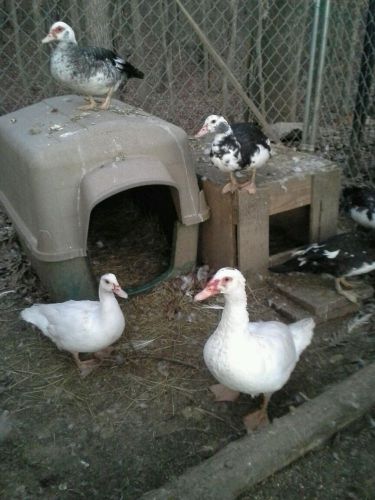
[(223, 130), (107, 300), (64, 44), (235, 317)]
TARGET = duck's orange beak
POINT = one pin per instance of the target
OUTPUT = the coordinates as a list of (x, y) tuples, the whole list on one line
[(49, 38), (203, 131), (119, 291), (210, 290)]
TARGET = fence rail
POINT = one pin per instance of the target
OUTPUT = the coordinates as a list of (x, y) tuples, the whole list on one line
[(253, 55)]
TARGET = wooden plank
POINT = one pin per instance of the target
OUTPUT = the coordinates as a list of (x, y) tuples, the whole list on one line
[(253, 232), (324, 204), (251, 459), (218, 233), (292, 193)]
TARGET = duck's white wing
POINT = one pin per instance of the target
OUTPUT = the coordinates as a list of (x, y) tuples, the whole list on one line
[(274, 344), (62, 320)]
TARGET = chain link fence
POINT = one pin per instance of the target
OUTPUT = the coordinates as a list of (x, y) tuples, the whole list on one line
[(258, 48)]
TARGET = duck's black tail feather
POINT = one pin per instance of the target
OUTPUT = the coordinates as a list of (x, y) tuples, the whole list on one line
[(132, 72)]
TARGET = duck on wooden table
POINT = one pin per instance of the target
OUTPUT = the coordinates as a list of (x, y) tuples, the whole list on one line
[(341, 256), (236, 147), (359, 204), (91, 71), (248, 357), (83, 325)]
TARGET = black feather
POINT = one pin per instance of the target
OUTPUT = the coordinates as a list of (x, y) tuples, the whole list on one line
[(132, 72)]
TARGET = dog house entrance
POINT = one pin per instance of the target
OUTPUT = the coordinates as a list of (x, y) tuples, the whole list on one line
[(289, 230), (131, 235)]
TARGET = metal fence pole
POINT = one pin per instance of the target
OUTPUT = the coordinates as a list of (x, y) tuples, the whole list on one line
[(316, 73), (364, 84)]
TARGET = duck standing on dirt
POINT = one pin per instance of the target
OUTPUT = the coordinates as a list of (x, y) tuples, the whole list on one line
[(83, 325), (236, 147), (91, 71), (252, 358), (341, 256), (359, 204)]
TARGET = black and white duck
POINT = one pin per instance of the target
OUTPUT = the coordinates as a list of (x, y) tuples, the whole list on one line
[(91, 71), (236, 147), (359, 204), (341, 256)]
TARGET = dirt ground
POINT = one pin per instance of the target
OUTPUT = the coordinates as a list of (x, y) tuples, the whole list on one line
[(148, 414)]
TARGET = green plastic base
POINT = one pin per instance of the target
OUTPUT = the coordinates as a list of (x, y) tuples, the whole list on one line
[(73, 278)]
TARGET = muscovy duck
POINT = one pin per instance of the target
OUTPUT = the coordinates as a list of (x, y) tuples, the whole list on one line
[(83, 325), (236, 147), (341, 256), (359, 204), (90, 71), (253, 358)]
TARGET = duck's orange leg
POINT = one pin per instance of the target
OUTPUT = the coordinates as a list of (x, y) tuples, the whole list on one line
[(85, 367), (91, 105), (259, 418)]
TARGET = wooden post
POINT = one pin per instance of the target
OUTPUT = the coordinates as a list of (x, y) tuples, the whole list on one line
[(218, 233), (252, 231), (325, 194)]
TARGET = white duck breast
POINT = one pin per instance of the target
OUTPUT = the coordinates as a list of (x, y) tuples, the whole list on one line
[(361, 269), (82, 326), (248, 357), (261, 367), (363, 217), (359, 204)]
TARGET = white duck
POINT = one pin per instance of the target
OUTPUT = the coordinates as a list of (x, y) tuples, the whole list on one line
[(92, 71), (84, 325), (252, 358)]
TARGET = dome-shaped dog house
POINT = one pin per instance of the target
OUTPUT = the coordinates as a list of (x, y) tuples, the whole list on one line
[(58, 164)]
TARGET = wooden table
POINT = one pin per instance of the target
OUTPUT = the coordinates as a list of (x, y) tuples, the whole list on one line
[(301, 187)]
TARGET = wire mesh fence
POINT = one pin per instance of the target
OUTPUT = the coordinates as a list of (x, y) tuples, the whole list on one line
[(266, 45)]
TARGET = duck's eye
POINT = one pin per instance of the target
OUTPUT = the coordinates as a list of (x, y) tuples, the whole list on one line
[(213, 121), (227, 279), (107, 282), (59, 29)]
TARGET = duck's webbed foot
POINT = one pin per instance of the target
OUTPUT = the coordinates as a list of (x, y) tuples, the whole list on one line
[(259, 418), (91, 105), (256, 420), (232, 186), (87, 366), (351, 296), (250, 186), (107, 100)]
